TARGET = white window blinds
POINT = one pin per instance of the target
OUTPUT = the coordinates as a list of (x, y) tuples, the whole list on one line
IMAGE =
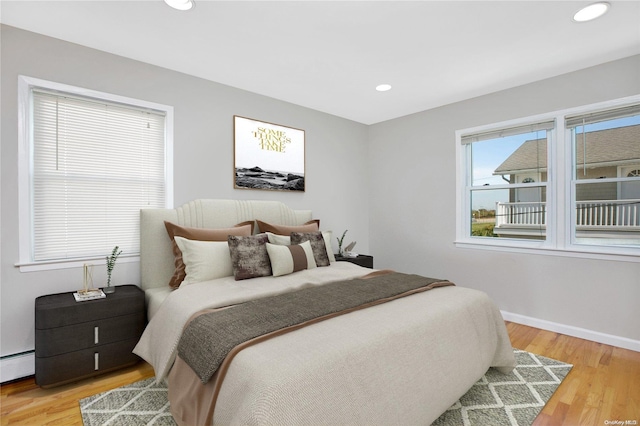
[(509, 131), (600, 116), (95, 164)]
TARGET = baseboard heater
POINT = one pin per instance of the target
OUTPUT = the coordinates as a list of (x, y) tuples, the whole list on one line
[(17, 366)]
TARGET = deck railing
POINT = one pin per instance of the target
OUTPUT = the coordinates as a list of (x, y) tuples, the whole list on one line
[(620, 213), (589, 214), (521, 213)]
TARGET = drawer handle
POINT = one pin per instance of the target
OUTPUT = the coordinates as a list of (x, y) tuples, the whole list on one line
[(96, 338), (96, 361)]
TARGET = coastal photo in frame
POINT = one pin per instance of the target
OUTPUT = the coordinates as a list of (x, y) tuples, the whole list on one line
[(268, 156)]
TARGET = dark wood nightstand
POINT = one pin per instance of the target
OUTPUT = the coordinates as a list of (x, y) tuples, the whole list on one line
[(75, 340), (362, 260)]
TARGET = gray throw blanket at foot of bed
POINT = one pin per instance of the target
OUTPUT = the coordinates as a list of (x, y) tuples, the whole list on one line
[(209, 338)]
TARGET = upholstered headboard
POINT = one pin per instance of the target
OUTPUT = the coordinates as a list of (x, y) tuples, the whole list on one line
[(156, 257)]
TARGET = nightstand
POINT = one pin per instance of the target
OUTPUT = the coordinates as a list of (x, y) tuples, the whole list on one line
[(75, 340), (362, 260)]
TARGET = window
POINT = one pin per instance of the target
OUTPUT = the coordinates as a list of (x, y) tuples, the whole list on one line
[(567, 181), (508, 181), (605, 183), (90, 162)]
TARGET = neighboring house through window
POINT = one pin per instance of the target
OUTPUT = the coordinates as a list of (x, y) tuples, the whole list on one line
[(607, 199), (90, 161)]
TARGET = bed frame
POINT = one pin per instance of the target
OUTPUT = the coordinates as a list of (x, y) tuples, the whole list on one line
[(156, 257)]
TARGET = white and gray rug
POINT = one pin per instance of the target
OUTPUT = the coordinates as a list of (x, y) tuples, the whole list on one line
[(508, 399), (496, 399), (140, 403)]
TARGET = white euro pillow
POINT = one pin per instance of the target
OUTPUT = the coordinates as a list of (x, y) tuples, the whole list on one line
[(204, 260)]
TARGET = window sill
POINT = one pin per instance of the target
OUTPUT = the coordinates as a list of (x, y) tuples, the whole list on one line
[(71, 263), (586, 252)]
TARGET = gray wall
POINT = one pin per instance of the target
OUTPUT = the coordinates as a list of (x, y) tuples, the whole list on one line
[(413, 166), (203, 157), (391, 184)]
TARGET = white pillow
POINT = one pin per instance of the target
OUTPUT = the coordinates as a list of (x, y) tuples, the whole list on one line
[(327, 241), (281, 240), (204, 260), (283, 260), (284, 240)]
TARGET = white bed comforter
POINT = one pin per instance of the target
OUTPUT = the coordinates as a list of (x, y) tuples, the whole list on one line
[(403, 362)]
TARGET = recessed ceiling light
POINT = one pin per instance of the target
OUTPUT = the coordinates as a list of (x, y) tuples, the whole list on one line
[(180, 4), (383, 87), (591, 12)]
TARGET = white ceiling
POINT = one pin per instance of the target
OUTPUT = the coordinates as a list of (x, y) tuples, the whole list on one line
[(330, 55)]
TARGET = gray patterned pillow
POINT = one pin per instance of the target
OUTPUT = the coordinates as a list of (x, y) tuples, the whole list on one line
[(318, 245), (249, 256)]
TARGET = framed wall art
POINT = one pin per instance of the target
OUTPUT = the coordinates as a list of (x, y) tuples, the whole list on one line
[(268, 156)]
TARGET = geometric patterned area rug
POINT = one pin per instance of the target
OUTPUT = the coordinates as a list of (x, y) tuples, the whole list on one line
[(140, 403), (496, 399), (513, 399)]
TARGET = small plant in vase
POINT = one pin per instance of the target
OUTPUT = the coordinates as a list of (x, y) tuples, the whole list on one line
[(345, 252), (340, 240), (111, 262)]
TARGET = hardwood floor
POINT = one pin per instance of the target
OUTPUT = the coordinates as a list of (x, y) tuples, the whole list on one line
[(603, 386), (25, 403)]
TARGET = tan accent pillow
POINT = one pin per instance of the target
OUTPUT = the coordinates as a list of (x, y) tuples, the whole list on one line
[(289, 259), (199, 234), (311, 226)]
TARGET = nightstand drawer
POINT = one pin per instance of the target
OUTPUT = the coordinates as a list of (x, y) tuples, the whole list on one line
[(61, 340), (59, 310), (56, 370)]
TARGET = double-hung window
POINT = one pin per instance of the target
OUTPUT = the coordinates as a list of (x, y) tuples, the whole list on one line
[(507, 181), (563, 182), (605, 181), (89, 162)]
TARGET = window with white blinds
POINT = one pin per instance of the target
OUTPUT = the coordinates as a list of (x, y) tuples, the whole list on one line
[(94, 164)]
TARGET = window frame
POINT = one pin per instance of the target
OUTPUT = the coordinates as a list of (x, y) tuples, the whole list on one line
[(560, 235), (512, 129), (25, 166)]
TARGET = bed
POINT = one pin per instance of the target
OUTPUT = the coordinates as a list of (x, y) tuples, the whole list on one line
[(404, 361)]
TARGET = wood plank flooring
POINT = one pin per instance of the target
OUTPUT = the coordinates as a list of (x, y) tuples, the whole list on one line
[(25, 403), (603, 386)]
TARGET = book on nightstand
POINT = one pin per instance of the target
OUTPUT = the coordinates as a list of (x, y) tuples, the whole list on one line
[(92, 294)]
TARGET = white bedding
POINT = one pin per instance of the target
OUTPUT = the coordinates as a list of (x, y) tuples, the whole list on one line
[(160, 339), (402, 362), (155, 298), (399, 363)]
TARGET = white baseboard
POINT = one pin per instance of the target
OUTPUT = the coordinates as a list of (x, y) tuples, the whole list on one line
[(17, 366), (569, 330)]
